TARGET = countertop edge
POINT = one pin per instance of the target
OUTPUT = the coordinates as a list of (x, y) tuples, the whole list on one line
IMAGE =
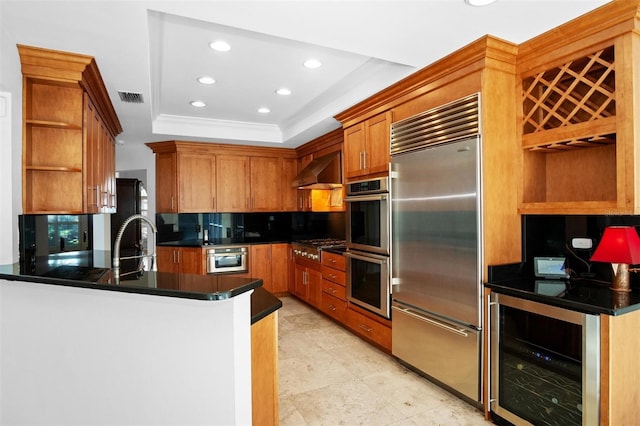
[(574, 306), (227, 294), (263, 304)]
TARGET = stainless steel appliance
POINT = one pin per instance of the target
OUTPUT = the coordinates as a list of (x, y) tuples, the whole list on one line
[(368, 215), (436, 250), (545, 363), (368, 281), (368, 244), (226, 260)]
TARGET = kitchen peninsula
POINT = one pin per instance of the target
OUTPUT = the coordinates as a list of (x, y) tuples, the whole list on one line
[(156, 348)]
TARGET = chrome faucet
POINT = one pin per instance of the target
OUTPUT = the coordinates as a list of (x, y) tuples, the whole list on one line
[(116, 246)]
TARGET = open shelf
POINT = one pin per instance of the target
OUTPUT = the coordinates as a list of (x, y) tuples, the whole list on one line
[(569, 141)]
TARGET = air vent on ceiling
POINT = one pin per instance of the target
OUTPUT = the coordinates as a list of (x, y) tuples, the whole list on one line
[(131, 97)]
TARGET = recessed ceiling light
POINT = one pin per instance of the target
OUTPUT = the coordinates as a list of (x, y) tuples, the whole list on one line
[(264, 110), (205, 79), (198, 104), (479, 2), (283, 91), (220, 46), (312, 63)]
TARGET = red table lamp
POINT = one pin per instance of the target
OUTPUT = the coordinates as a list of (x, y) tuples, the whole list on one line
[(619, 245)]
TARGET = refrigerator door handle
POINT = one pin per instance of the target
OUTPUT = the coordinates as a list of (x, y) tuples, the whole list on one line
[(417, 315)]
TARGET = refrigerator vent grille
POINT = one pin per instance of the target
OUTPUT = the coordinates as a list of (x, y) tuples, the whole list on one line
[(456, 120)]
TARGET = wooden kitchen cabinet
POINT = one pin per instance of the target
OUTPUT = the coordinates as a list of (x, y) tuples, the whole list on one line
[(193, 177), (182, 260), (185, 182), (308, 283), (99, 161), (281, 259), (270, 262), (266, 184), (371, 327), (264, 371), (289, 193), (233, 183), (366, 147), (333, 298), (69, 129), (196, 182), (579, 112)]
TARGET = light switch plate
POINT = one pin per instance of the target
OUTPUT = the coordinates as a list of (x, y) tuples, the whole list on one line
[(582, 243)]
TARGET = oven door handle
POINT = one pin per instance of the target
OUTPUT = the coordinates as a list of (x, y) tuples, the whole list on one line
[(375, 197)]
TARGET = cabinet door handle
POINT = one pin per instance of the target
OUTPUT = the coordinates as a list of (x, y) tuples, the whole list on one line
[(364, 160), (213, 200), (172, 203), (360, 160), (331, 307), (365, 328)]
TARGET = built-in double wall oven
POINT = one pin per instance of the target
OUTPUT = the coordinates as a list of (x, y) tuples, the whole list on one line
[(368, 227)]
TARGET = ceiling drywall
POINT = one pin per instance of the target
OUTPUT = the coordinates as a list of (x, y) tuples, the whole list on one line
[(158, 48)]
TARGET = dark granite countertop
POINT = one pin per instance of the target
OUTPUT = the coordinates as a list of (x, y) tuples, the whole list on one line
[(220, 242), (589, 296), (93, 270)]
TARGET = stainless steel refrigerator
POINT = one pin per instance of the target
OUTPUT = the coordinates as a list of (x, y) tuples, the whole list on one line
[(436, 260)]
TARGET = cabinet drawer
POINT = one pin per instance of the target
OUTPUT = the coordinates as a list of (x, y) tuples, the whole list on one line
[(369, 329), (333, 260), (334, 275), (333, 307), (334, 289)]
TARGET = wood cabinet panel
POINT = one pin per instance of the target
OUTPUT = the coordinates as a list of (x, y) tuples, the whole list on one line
[(289, 193), (280, 265), (266, 184), (366, 147), (194, 177), (196, 183), (233, 183), (333, 260), (184, 260), (334, 289), (260, 257), (354, 146), (333, 307), (368, 328), (270, 262), (167, 182), (264, 371), (68, 135)]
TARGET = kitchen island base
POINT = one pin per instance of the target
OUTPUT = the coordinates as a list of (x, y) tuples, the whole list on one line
[(73, 355)]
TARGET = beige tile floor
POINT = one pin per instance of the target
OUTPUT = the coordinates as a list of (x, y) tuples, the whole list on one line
[(328, 376)]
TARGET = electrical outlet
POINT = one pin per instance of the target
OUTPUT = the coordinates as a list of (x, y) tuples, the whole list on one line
[(582, 243)]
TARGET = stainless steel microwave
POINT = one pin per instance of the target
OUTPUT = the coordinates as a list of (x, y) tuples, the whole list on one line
[(229, 259)]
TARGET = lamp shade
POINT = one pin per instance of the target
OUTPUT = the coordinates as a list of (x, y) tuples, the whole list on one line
[(619, 244)]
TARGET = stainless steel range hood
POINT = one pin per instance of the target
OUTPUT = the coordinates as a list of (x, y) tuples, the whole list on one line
[(321, 173)]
